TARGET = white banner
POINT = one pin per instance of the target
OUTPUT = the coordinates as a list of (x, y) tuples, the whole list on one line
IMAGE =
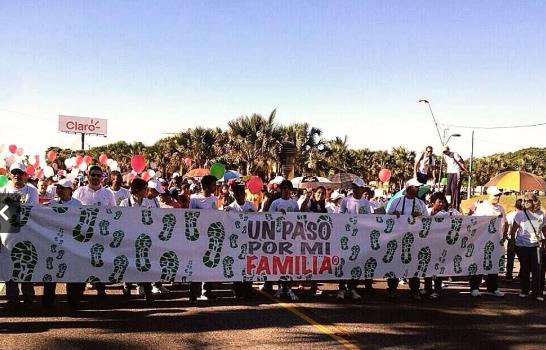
[(95, 126), (75, 244)]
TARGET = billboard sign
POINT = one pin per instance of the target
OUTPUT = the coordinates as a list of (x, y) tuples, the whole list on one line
[(94, 126)]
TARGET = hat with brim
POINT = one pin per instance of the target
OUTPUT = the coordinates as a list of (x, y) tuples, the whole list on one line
[(358, 182), (65, 183), (17, 166), (493, 191), (156, 185), (413, 183)]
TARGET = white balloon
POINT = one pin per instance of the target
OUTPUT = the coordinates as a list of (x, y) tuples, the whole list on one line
[(74, 173), (83, 166), (151, 172), (114, 166), (134, 173), (68, 163), (2, 148), (109, 161), (48, 171)]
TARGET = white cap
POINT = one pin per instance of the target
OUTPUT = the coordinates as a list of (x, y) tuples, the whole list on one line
[(413, 182), (277, 180), (493, 191), (358, 182), (156, 185), (17, 166), (65, 183), (335, 196), (176, 175)]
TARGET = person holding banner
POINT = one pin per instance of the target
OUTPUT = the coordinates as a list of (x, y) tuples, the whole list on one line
[(408, 204), (96, 194), (119, 192), (489, 207), (354, 204), (529, 229), (438, 208), (208, 201), (74, 291), (29, 195)]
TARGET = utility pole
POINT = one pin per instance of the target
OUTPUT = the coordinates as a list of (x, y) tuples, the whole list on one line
[(470, 168)]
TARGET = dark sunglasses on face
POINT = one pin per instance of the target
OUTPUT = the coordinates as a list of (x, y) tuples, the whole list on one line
[(17, 173), (95, 175)]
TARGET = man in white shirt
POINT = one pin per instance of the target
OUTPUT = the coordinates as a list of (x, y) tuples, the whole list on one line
[(29, 195), (95, 194), (119, 192), (334, 205), (408, 204), (425, 166), (455, 165), (489, 207)]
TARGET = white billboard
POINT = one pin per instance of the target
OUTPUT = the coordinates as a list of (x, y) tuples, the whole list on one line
[(95, 126)]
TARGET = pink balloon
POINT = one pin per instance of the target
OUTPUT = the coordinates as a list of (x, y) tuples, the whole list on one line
[(255, 184), (36, 161), (12, 148), (87, 159), (79, 160), (130, 177), (138, 163), (187, 161), (384, 175), (61, 173), (31, 170), (51, 155), (20, 151), (103, 159), (40, 174), (146, 176)]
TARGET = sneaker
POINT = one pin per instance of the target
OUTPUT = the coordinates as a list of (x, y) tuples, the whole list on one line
[(539, 298), (278, 293), (496, 293), (160, 290), (210, 295), (523, 295), (475, 293), (434, 295), (340, 294), (267, 287), (354, 295), (292, 295)]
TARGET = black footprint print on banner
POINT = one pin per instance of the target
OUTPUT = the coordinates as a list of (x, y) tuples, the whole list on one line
[(407, 241), (423, 259), (391, 250), (147, 217), (117, 237), (242, 254), (487, 251), (233, 241), (96, 255), (60, 254), (356, 272), (369, 268), (61, 270), (47, 278), (472, 269), (492, 227), (344, 240), (142, 246), (60, 210), (24, 258), (120, 266), (169, 221), (469, 250), (453, 234), (374, 240), (21, 217), (216, 236), (457, 264), (190, 225), (464, 241), (227, 264), (379, 219), (338, 270), (83, 232), (389, 225), (103, 228), (355, 250), (426, 227), (169, 266), (49, 263)]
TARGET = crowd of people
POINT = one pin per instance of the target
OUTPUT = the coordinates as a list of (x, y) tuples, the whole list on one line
[(524, 229)]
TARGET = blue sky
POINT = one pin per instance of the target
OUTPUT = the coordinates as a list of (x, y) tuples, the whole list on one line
[(351, 68)]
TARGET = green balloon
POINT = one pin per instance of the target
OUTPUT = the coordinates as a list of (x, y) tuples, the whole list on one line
[(3, 180), (217, 170), (443, 182)]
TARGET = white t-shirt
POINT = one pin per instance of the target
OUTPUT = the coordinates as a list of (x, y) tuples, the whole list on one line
[(246, 207), (424, 163), (440, 213), (101, 197), (120, 194), (407, 206), (73, 202), (525, 235), (332, 208), (488, 209), (351, 205), (199, 201), (29, 194), (289, 205), (452, 166), (131, 202)]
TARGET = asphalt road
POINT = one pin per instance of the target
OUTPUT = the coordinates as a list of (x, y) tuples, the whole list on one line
[(456, 321)]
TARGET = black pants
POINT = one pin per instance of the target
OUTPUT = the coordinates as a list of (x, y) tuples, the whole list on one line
[(454, 189), (529, 262), (510, 257), (196, 288), (437, 285), (74, 292), (490, 281), (414, 284)]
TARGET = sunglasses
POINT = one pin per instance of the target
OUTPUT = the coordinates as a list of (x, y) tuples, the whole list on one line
[(17, 173), (95, 175)]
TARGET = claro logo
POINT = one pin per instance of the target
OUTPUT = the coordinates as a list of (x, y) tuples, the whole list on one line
[(92, 126)]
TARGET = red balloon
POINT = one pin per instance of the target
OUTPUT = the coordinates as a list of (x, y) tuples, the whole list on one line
[(138, 163), (103, 159), (187, 161), (40, 174), (3, 171), (87, 159), (255, 184), (79, 160), (12, 148), (51, 155), (31, 170), (384, 175), (146, 176)]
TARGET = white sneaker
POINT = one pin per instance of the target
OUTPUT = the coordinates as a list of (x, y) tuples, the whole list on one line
[(278, 293), (496, 293), (434, 296), (523, 295), (475, 293), (141, 292), (539, 298), (340, 294), (160, 290), (203, 297), (354, 295), (291, 295)]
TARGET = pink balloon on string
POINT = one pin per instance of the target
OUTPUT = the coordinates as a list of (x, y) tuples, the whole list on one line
[(255, 184), (12, 149), (103, 159), (87, 159), (138, 163), (145, 176), (52, 155), (31, 170)]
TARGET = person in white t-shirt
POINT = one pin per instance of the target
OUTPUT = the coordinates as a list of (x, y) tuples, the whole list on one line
[(74, 291), (120, 193), (489, 207), (455, 165), (530, 234), (208, 201), (95, 194), (425, 166), (408, 204), (511, 246), (29, 195), (354, 204), (334, 205)]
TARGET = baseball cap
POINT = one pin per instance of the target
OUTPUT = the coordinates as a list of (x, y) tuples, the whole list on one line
[(358, 182), (156, 185), (66, 183), (335, 196), (413, 182), (277, 180), (493, 191), (17, 166)]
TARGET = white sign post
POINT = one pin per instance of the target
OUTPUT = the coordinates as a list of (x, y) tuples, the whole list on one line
[(82, 125)]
